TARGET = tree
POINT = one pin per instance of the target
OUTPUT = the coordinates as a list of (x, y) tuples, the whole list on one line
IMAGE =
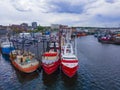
[(41, 29)]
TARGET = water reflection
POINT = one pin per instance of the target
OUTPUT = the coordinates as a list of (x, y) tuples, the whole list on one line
[(50, 80), (23, 77), (71, 83), (6, 57)]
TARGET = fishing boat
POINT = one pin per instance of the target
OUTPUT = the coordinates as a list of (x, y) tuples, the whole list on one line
[(108, 39), (6, 47), (79, 34), (116, 39), (24, 61), (50, 60), (69, 61)]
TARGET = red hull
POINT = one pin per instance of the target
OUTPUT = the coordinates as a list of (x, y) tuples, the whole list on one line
[(70, 72), (25, 70), (50, 68), (81, 34)]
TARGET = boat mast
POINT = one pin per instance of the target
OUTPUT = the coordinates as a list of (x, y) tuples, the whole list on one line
[(23, 42), (60, 33), (43, 46), (48, 48), (8, 35), (55, 50)]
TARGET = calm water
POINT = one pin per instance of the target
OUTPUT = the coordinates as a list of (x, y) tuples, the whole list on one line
[(99, 69)]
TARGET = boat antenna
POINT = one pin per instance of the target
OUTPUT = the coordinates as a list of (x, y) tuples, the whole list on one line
[(55, 47), (23, 42), (60, 34), (43, 46), (8, 35), (38, 51), (48, 48)]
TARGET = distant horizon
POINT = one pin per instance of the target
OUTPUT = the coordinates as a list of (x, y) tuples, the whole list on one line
[(85, 13), (68, 25), (71, 26)]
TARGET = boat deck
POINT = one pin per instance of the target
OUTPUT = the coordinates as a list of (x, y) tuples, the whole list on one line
[(26, 64)]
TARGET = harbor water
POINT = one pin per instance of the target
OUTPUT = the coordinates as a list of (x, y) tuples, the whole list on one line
[(99, 69)]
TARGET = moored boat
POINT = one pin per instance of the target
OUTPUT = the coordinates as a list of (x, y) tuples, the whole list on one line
[(69, 61), (6, 47), (79, 34), (106, 39), (116, 39), (50, 60), (25, 62)]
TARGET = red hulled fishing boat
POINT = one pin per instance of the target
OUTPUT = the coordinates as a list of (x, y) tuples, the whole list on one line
[(50, 60), (69, 61)]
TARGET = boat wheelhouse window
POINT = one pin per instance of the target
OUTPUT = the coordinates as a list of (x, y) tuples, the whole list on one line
[(69, 51)]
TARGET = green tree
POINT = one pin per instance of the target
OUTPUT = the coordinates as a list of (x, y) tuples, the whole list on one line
[(41, 29)]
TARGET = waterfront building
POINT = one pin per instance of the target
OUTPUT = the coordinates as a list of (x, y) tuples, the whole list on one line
[(34, 25), (58, 26), (24, 26)]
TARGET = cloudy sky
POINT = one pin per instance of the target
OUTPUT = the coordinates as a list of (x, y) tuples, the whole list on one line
[(69, 12)]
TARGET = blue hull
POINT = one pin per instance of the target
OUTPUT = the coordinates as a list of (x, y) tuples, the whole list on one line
[(6, 50)]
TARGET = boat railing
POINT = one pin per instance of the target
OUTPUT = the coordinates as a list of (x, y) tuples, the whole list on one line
[(68, 49), (50, 60)]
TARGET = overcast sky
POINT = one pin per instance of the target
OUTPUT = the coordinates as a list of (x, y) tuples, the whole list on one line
[(70, 12)]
